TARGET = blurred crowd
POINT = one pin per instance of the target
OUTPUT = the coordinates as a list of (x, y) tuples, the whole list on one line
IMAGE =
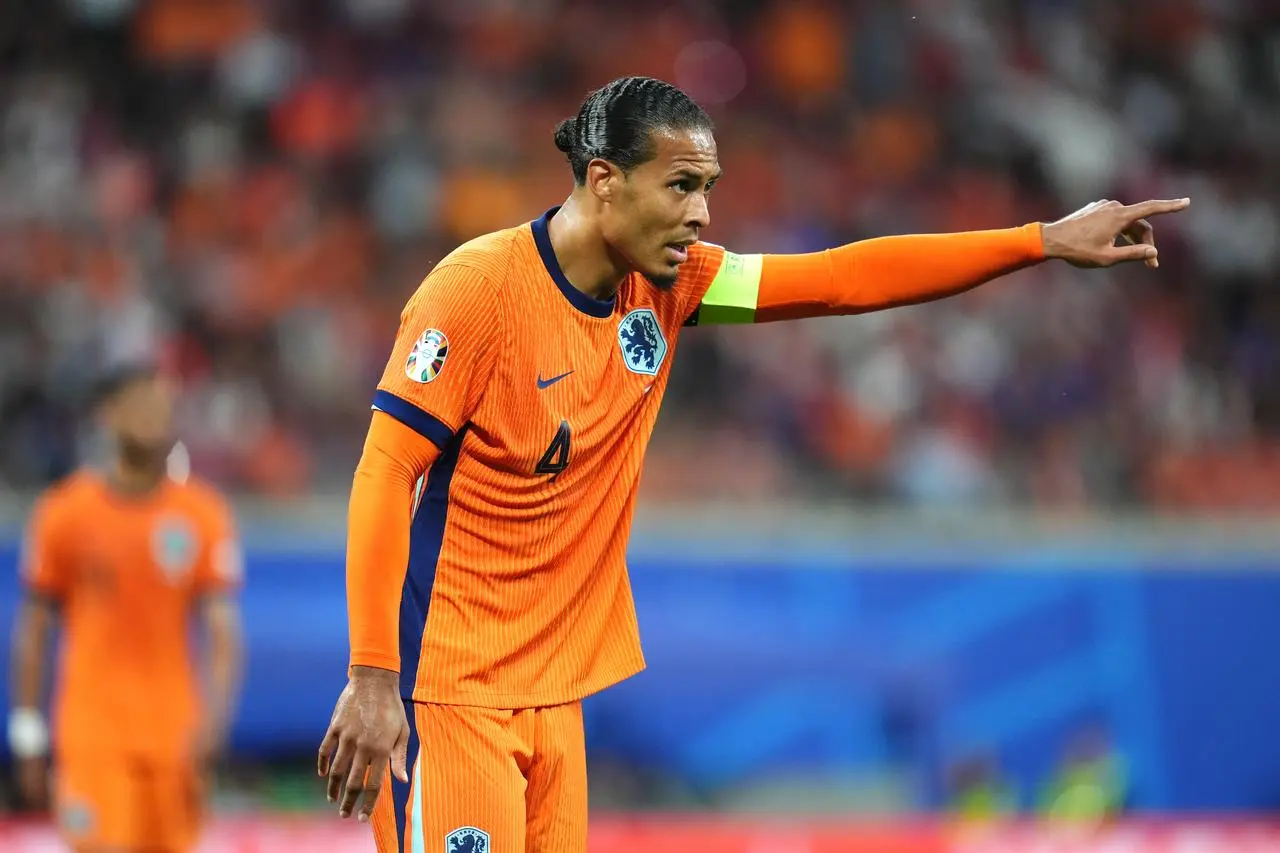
[(252, 189)]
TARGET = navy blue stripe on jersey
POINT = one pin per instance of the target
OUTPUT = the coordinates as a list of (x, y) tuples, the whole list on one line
[(400, 790), (584, 303), (426, 536), (426, 425)]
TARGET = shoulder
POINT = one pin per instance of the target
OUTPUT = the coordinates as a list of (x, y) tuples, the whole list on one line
[(704, 255), (490, 258), (696, 276), (207, 509), (705, 260), (467, 290), (204, 500), (470, 276), (68, 494), (63, 506)]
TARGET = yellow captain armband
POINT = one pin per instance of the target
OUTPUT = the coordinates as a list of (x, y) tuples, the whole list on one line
[(734, 292)]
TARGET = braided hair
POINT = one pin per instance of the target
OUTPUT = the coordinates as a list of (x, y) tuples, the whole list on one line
[(616, 123)]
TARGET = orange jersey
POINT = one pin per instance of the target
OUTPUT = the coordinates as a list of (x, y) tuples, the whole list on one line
[(126, 572), (542, 400)]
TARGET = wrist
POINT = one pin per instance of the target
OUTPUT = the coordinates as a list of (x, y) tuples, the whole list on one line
[(28, 733), (373, 674), (1050, 246)]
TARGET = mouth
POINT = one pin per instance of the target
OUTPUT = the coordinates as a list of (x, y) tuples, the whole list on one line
[(679, 251)]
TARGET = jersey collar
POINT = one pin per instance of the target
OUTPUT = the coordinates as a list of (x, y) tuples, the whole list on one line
[(579, 300)]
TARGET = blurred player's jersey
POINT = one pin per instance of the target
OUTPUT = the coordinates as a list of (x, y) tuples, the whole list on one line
[(542, 401), (126, 572)]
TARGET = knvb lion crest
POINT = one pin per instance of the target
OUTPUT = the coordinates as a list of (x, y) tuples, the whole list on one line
[(174, 546), (643, 346), (75, 818), (467, 839)]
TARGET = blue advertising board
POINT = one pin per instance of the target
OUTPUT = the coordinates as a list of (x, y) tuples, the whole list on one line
[(831, 661)]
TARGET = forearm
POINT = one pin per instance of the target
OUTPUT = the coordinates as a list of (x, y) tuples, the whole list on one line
[(225, 663), (31, 654), (379, 517), (869, 275), (28, 734), (886, 272)]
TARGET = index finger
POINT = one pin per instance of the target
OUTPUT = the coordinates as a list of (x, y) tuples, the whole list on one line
[(326, 751), (1143, 209)]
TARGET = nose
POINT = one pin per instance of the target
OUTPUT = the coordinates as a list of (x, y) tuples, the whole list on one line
[(698, 214)]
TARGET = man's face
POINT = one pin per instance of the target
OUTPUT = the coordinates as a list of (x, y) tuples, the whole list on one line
[(141, 415), (661, 206)]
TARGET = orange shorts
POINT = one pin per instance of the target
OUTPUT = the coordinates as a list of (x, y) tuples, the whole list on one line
[(488, 781), (113, 802)]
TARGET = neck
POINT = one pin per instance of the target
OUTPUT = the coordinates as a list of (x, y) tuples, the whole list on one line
[(137, 476), (583, 254)]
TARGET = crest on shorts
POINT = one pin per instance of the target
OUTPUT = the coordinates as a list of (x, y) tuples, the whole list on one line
[(426, 359), (173, 544), (467, 839), (75, 818), (643, 346)]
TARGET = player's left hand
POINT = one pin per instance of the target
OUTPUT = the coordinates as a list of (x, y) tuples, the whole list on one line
[(33, 782), (368, 732), (1107, 232)]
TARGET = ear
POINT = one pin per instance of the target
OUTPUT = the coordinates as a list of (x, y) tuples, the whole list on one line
[(604, 179)]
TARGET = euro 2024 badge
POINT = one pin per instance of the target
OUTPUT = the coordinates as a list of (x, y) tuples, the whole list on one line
[(426, 359)]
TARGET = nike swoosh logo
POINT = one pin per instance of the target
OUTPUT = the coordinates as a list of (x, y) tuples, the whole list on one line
[(544, 383)]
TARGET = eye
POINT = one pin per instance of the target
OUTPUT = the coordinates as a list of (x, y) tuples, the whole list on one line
[(681, 185)]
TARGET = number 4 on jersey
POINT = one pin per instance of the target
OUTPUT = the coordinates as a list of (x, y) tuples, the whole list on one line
[(556, 459)]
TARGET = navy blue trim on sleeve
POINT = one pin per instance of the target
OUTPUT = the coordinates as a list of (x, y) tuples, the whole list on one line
[(426, 425)]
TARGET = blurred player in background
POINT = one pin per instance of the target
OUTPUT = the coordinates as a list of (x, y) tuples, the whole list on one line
[(121, 560), (505, 451)]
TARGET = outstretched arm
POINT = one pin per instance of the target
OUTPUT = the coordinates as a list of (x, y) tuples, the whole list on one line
[(886, 272)]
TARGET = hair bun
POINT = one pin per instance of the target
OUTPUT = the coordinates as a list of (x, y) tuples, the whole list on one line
[(566, 134)]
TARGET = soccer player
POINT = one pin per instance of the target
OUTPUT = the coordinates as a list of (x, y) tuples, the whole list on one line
[(122, 559), (489, 515)]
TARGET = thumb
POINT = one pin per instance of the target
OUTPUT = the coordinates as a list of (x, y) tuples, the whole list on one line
[(400, 756), (1136, 252)]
